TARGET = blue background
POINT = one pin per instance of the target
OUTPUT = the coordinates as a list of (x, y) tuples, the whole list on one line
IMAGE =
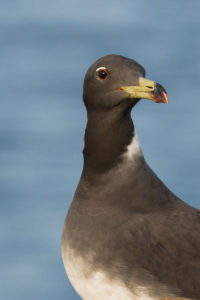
[(45, 49)]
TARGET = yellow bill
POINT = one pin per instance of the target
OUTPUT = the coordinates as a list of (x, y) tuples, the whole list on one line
[(147, 89)]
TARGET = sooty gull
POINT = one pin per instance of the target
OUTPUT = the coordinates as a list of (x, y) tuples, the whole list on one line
[(126, 235)]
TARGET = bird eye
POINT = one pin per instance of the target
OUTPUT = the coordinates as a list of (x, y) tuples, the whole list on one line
[(102, 73)]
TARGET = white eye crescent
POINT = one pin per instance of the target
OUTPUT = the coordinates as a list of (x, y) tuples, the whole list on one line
[(102, 73)]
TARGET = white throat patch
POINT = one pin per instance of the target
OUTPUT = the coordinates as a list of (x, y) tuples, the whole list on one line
[(133, 150)]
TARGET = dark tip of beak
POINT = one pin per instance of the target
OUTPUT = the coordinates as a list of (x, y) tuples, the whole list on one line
[(159, 94)]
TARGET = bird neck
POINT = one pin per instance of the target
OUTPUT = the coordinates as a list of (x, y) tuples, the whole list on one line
[(107, 135)]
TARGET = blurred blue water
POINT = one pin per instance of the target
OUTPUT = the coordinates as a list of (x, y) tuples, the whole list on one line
[(45, 50)]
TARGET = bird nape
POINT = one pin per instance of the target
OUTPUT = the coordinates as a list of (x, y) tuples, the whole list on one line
[(126, 235)]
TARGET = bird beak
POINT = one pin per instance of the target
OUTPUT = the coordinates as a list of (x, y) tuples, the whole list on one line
[(146, 89)]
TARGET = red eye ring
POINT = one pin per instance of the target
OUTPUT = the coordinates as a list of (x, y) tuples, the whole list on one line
[(102, 73)]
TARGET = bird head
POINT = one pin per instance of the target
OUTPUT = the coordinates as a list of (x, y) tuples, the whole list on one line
[(114, 80)]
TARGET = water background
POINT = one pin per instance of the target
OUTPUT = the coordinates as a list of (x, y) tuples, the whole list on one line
[(46, 47)]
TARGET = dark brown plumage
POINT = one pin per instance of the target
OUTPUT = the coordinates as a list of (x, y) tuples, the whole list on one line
[(124, 222)]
